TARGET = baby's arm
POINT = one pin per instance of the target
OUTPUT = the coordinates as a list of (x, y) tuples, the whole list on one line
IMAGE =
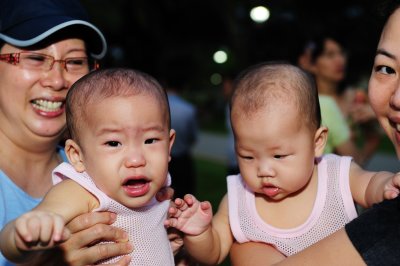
[(44, 226), (369, 187), (206, 242)]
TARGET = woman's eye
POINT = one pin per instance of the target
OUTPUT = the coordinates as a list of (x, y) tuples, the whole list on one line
[(113, 143), (38, 58), (150, 141), (385, 70)]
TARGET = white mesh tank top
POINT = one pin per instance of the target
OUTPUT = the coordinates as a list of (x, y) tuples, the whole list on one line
[(145, 226), (333, 208)]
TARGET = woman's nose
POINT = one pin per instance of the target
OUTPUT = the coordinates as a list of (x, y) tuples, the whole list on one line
[(56, 78), (395, 98)]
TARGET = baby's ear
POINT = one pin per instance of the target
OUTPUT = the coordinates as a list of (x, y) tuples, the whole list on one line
[(172, 135), (320, 138), (74, 155)]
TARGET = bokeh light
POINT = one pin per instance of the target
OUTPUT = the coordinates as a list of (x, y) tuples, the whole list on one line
[(220, 57), (259, 14)]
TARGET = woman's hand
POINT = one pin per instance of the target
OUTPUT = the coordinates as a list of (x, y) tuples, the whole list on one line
[(91, 228)]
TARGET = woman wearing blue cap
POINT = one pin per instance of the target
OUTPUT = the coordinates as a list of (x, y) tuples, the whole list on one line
[(45, 46)]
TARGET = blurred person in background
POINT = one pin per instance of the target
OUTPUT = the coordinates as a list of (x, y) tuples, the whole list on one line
[(184, 122), (352, 124)]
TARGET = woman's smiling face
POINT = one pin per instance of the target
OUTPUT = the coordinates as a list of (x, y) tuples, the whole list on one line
[(30, 99), (384, 83)]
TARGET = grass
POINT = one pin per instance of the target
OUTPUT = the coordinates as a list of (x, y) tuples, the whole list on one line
[(386, 146), (211, 184)]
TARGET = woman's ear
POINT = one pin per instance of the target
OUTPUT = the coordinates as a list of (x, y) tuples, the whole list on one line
[(320, 139), (74, 155), (172, 135)]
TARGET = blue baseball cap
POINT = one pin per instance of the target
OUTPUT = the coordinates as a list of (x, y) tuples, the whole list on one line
[(25, 23)]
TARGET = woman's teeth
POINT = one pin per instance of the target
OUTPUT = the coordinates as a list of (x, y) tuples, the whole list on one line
[(47, 106)]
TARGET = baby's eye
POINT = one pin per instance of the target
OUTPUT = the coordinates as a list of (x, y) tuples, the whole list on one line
[(279, 156), (384, 70), (246, 157), (150, 141), (113, 143)]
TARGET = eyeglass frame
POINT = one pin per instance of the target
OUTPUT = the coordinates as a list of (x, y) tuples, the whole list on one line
[(14, 59)]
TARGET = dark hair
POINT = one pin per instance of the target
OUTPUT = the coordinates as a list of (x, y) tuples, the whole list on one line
[(317, 43), (105, 83), (386, 8), (260, 85)]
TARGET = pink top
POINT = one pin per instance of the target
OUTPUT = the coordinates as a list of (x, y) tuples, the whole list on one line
[(333, 208), (145, 225)]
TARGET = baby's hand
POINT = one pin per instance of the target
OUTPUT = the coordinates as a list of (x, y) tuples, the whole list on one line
[(392, 187), (190, 216), (37, 230)]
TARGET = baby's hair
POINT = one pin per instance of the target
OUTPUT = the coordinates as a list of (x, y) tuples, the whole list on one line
[(105, 83), (265, 84)]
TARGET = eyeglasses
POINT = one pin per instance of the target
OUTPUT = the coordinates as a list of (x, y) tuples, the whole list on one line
[(43, 62)]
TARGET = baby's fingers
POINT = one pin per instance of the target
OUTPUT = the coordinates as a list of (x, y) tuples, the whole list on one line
[(60, 232), (391, 193), (189, 199), (396, 180), (40, 229), (174, 212), (170, 222), (181, 204), (24, 226), (205, 205)]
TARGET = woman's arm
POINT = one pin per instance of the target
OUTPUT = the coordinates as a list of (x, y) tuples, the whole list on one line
[(335, 249), (254, 253)]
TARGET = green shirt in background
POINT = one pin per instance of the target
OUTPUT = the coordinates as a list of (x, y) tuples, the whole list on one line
[(333, 119)]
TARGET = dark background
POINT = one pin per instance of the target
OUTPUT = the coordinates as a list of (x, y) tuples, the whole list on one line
[(181, 36)]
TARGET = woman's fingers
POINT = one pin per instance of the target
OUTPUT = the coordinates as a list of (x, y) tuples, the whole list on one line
[(87, 220), (89, 229)]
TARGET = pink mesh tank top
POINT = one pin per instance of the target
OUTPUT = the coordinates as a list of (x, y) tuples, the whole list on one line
[(145, 225), (333, 208)]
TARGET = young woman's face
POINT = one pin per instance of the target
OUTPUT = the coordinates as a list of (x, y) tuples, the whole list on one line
[(32, 101), (384, 83), (331, 64)]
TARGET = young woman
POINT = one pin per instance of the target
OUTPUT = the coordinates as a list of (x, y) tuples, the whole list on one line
[(345, 111)]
